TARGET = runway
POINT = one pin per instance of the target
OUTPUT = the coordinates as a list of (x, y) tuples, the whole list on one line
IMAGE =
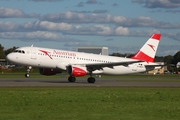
[(82, 82)]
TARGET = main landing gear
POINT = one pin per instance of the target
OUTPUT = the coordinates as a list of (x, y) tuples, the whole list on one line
[(89, 80), (73, 79), (28, 70)]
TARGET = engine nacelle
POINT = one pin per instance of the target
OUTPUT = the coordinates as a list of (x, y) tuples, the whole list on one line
[(76, 71), (46, 71)]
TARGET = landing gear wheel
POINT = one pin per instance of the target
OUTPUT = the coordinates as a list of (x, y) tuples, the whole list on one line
[(71, 79), (28, 71), (27, 75), (91, 80)]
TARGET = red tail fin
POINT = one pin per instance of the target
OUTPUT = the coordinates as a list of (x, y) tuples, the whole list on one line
[(148, 51)]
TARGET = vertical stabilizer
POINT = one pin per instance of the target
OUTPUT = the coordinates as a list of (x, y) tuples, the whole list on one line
[(148, 50)]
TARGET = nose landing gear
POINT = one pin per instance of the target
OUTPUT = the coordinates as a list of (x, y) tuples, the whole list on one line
[(28, 70)]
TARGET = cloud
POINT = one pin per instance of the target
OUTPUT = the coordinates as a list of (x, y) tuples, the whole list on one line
[(110, 39), (81, 4), (74, 23), (166, 11), (77, 44), (114, 4), (41, 35), (89, 2), (172, 11), (36, 36), (49, 26), (138, 1), (114, 25), (121, 31), (159, 3), (81, 18), (92, 2), (174, 36), (175, 1), (8, 26), (53, 26), (167, 49), (104, 30), (100, 11), (29, 35), (8, 12), (64, 28), (144, 33), (15, 13), (46, 0)]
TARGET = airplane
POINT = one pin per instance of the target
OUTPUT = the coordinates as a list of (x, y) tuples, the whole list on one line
[(77, 64)]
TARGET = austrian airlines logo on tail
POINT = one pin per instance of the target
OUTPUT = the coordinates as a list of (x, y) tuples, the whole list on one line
[(151, 46), (46, 53), (148, 51)]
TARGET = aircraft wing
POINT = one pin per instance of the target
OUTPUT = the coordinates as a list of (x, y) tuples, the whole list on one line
[(99, 66)]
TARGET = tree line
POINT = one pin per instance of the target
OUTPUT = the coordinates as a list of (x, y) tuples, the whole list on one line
[(4, 52), (169, 59)]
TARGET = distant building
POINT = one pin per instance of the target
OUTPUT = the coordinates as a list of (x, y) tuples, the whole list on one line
[(158, 70), (94, 50)]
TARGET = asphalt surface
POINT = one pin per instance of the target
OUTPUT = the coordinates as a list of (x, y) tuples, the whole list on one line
[(82, 82)]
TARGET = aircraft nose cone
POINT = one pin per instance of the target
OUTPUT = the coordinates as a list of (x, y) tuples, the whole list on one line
[(9, 57)]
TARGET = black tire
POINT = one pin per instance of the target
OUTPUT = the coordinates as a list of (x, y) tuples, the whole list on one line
[(91, 80), (71, 79), (27, 75)]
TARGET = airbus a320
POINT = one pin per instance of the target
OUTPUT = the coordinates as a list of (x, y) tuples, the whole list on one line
[(77, 64)]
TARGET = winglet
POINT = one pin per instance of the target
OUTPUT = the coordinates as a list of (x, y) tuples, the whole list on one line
[(148, 50)]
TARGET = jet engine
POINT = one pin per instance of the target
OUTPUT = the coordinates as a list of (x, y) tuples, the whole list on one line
[(76, 71)]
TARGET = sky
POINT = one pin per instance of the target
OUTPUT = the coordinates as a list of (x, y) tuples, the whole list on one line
[(121, 25)]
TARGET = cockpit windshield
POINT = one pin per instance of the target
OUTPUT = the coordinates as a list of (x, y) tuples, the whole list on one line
[(19, 51)]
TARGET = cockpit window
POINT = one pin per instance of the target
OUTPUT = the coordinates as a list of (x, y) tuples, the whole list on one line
[(19, 51)]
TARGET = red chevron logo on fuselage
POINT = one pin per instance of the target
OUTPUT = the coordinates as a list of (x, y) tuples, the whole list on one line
[(46, 53)]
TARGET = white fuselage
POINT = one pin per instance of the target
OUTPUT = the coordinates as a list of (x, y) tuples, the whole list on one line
[(59, 59)]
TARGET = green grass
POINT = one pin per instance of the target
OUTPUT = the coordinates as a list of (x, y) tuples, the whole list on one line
[(93, 103)]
